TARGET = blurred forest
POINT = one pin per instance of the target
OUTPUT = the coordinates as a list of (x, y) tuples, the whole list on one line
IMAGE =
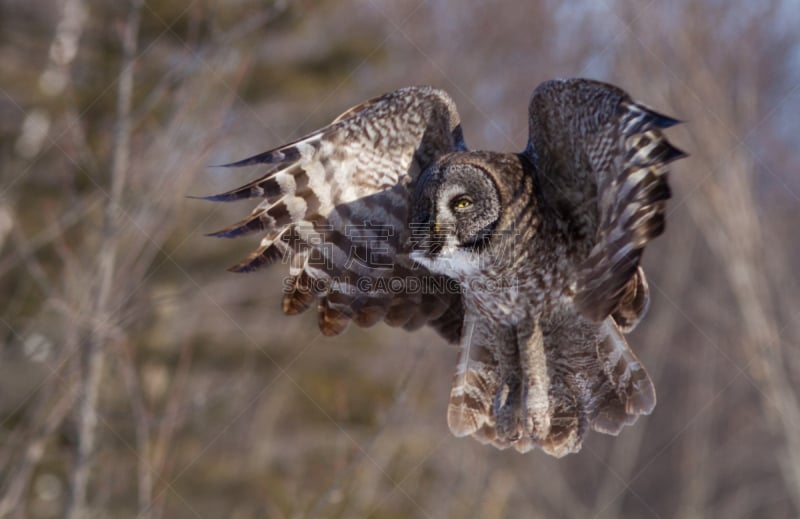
[(138, 378)]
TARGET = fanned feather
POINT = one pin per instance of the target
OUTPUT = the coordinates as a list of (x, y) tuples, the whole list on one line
[(334, 183)]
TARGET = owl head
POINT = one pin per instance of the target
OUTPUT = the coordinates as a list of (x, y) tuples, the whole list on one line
[(455, 208)]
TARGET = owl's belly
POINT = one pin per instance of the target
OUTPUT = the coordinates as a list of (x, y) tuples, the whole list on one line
[(501, 299)]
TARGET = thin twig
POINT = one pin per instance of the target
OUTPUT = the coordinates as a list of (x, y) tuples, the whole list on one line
[(93, 352), (141, 418)]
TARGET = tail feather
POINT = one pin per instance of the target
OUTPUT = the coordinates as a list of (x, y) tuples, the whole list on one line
[(632, 385), (602, 387), (472, 394), (471, 400)]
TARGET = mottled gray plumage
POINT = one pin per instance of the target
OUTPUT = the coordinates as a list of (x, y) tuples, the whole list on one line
[(530, 261)]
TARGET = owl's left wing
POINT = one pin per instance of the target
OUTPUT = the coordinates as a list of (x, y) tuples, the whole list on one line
[(601, 164), (334, 205)]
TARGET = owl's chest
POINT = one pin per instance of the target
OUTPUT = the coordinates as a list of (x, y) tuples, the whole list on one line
[(502, 298), (497, 302), (516, 294)]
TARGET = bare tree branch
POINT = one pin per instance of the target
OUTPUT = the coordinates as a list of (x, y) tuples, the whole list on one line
[(94, 348)]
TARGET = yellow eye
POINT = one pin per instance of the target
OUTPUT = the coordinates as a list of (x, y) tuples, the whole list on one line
[(462, 202)]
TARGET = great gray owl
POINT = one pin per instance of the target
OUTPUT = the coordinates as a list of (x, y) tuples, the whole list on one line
[(529, 260)]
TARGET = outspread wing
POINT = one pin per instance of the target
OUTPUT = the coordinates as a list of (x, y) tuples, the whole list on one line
[(601, 166), (334, 205)]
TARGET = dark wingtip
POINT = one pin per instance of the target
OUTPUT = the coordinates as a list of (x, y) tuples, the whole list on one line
[(640, 118), (287, 154), (261, 158), (664, 153), (229, 196), (258, 260), (241, 268), (238, 164), (240, 193), (660, 120), (674, 154), (252, 223), (225, 233), (222, 197), (663, 121)]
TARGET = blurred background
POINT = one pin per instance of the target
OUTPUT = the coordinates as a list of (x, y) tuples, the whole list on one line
[(138, 378)]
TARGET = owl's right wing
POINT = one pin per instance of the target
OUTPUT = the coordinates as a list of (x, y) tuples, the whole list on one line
[(601, 163), (335, 206)]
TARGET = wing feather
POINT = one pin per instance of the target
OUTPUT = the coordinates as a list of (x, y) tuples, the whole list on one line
[(601, 162), (335, 205)]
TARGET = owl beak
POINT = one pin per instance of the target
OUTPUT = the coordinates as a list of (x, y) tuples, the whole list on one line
[(436, 239)]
